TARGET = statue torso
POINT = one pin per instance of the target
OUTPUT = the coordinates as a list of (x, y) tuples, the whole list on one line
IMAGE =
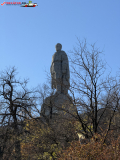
[(57, 60), (59, 65)]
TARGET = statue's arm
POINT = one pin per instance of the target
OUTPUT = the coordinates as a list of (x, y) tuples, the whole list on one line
[(51, 68)]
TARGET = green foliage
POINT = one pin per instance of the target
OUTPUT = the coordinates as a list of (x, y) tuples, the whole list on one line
[(40, 143)]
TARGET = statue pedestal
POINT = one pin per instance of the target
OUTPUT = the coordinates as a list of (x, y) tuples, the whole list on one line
[(58, 105)]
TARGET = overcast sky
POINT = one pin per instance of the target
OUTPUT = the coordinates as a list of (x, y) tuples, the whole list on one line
[(29, 35)]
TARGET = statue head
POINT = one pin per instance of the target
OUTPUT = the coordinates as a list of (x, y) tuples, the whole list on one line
[(58, 47)]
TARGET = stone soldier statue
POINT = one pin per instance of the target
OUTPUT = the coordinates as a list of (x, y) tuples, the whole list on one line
[(60, 70)]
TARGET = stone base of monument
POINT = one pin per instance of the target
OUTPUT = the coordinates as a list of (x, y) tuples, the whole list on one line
[(58, 111), (58, 105)]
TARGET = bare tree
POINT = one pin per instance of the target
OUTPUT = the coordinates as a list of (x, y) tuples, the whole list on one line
[(16, 102), (89, 83), (111, 98)]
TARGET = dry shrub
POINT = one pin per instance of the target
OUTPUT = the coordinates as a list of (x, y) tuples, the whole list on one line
[(96, 149)]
